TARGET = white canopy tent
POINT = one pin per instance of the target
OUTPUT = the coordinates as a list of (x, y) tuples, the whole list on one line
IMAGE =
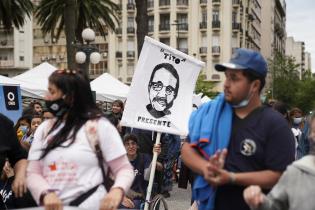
[(27, 89), (34, 82), (37, 75), (108, 88)]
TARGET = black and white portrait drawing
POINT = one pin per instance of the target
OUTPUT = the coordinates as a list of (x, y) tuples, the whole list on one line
[(163, 89)]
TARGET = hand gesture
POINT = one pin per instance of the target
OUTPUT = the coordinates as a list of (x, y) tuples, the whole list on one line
[(19, 184), (213, 172), (253, 196), (52, 202), (127, 202), (112, 199), (157, 148)]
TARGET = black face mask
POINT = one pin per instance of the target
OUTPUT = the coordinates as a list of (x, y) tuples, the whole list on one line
[(57, 107)]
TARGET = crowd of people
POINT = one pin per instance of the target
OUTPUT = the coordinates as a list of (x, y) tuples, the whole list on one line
[(239, 154)]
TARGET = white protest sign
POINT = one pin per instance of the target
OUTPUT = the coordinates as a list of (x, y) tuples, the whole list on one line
[(160, 96)]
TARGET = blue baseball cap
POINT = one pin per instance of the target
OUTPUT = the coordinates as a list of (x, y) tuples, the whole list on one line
[(247, 60)]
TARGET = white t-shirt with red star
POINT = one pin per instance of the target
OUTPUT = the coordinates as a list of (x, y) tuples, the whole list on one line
[(74, 170)]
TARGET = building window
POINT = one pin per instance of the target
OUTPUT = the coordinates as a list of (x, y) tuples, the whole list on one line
[(204, 16), (234, 17), (165, 41), (130, 21), (215, 15), (164, 21), (21, 58), (151, 23)]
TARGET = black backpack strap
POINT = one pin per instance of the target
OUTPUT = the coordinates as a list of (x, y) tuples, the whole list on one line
[(83, 197)]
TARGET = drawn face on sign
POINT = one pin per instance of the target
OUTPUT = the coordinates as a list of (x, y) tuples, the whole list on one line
[(163, 88)]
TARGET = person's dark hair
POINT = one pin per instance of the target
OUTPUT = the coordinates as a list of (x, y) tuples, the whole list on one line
[(119, 103), (281, 108), (27, 118), (131, 137), (33, 103), (294, 110), (252, 76), (171, 69), (82, 107), (37, 115)]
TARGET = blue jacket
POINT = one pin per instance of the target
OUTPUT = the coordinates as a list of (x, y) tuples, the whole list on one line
[(209, 130)]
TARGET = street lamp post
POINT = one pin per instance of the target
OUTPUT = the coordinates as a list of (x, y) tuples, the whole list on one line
[(86, 52), (177, 29)]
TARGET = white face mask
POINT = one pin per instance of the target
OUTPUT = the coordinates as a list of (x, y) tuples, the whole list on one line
[(297, 120), (244, 102)]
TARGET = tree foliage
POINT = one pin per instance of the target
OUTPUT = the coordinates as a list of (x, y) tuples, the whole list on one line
[(14, 12), (288, 87), (205, 86), (73, 16)]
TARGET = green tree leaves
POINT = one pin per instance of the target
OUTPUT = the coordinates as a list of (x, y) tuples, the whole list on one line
[(289, 86)]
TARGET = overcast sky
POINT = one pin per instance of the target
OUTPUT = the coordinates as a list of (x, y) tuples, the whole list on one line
[(301, 24)]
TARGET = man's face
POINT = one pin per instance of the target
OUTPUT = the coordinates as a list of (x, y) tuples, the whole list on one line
[(236, 86), (38, 108), (162, 90), (131, 147)]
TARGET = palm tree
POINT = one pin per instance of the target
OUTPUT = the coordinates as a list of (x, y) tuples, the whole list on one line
[(142, 22), (12, 12), (73, 16)]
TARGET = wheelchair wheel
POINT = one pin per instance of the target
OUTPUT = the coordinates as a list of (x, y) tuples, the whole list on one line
[(158, 203)]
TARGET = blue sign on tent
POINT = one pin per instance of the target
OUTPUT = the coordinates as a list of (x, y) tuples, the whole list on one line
[(11, 102)]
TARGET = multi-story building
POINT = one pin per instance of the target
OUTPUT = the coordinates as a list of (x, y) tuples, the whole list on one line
[(274, 32), (208, 29), (15, 48), (308, 61), (53, 51), (296, 49)]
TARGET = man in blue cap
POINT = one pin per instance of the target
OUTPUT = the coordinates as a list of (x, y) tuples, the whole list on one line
[(257, 141)]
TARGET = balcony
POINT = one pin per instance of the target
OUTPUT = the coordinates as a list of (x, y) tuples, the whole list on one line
[(130, 7), (130, 30), (184, 50), (118, 31), (118, 54), (6, 63), (164, 27), (150, 28), (216, 2), (5, 43), (235, 26), (216, 50), (203, 3), (235, 3), (182, 3), (130, 54), (203, 25), (164, 3), (216, 25), (203, 51), (183, 27)]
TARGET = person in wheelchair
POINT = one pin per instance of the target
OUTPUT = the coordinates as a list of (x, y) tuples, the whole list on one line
[(135, 197)]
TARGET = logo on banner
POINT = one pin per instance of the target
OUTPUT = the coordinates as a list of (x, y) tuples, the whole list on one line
[(11, 97), (163, 89)]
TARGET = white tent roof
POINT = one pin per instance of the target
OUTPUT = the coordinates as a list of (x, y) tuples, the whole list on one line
[(37, 75), (35, 80), (108, 88), (27, 89)]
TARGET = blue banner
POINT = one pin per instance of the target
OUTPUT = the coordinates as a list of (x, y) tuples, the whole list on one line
[(11, 102)]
